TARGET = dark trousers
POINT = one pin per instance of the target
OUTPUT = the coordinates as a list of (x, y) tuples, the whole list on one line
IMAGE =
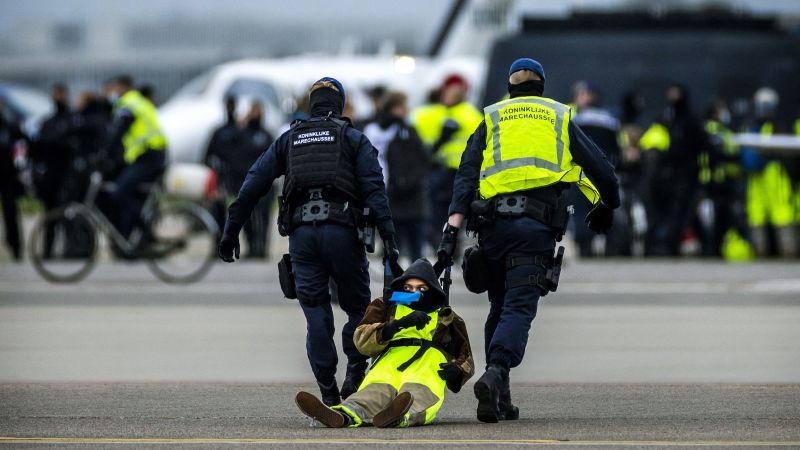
[(127, 198), (8, 192), (256, 229), (320, 253), (410, 237), (441, 192), (512, 310)]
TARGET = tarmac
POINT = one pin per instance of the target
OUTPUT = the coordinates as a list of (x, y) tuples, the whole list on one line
[(626, 354)]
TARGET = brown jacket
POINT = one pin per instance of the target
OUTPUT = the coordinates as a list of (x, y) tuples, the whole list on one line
[(450, 336)]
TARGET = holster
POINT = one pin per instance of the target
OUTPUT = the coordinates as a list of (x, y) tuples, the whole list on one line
[(284, 216), (286, 277), (543, 207), (475, 266), (366, 230), (546, 282)]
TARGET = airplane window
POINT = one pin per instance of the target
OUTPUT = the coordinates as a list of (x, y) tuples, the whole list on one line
[(253, 88)]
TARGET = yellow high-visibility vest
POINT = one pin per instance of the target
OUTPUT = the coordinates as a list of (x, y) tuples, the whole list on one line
[(656, 137), (145, 132), (429, 119), (527, 147)]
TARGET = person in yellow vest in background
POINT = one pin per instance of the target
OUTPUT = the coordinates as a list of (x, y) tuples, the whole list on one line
[(445, 126), (769, 187), (143, 152), (721, 179)]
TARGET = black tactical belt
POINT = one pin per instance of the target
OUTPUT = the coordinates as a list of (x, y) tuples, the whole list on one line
[(423, 345), (321, 211)]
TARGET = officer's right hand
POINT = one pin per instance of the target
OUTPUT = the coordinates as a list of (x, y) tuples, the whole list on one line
[(600, 218), (392, 254), (447, 247), (228, 248), (416, 319)]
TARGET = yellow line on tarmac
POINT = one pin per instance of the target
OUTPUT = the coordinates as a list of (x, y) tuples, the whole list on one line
[(631, 443)]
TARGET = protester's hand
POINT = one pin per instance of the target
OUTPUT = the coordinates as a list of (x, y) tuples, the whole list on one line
[(392, 255), (451, 374), (416, 319), (600, 218), (447, 247), (228, 248)]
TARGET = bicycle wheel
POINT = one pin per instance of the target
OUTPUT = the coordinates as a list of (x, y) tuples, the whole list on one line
[(185, 243), (63, 245)]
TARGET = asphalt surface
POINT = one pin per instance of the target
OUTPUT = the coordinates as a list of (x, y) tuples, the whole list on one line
[(625, 354)]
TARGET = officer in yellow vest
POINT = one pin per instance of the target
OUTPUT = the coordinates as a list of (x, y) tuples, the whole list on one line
[(445, 126), (769, 187), (144, 147), (521, 158)]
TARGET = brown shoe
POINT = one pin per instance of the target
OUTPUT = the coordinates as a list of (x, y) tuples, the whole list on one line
[(314, 408), (395, 413)]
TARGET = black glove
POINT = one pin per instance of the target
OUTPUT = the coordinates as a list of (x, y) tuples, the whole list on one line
[(416, 319), (447, 247), (600, 218), (452, 375), (392, 255), (228, 248)]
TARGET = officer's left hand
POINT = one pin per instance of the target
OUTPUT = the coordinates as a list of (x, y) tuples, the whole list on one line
[(392, 255), (228, 248), (600, 218), (451, 374)]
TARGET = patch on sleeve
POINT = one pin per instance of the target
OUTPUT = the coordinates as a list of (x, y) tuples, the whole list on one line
[(314, 137)]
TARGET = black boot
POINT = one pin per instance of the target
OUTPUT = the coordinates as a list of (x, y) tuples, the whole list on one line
[(330, 393), (487, 391), (353, 378), (312, 407), (507, 410)]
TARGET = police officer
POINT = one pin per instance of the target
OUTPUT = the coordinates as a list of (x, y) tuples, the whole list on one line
[(521, 157), (332, 173)]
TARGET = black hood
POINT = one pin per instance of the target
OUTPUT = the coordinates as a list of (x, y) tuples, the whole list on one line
[(423, 270), (326, 101)]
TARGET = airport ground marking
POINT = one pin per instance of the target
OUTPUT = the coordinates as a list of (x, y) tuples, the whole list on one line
[(374, 441)]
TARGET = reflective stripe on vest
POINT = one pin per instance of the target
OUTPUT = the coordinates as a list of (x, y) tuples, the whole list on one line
[(145, 132), (527, 147)]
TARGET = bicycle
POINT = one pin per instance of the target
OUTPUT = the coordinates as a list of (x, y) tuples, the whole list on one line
[(179, 235)]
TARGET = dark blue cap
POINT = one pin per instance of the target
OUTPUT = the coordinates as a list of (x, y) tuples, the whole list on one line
[(527, 64), (335, 82)]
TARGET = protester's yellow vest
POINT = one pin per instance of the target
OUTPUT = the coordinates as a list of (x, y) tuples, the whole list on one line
[(429, 119), (145, 132), (527, 147)]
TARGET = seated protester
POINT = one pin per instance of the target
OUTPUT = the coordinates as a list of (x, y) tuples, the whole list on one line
[(418, 345)]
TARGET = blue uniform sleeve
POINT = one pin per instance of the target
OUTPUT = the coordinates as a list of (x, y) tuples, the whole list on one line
[(269, 166), (370, 181), (593, 161), (469, 170)]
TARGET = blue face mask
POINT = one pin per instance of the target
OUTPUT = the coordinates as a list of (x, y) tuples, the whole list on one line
[(405, 298)]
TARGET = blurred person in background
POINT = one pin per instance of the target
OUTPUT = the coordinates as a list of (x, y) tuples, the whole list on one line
[(406, 164), (253, 141), (722, 184), (445, 127), (630, 171), (672, 146), (52, 154), (148, 91), (770, 209), (603, 128), (377, 94), (223, 145), (143, 158), (12, 144)]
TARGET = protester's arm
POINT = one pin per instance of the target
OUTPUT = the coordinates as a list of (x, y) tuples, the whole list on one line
[(367, 336)]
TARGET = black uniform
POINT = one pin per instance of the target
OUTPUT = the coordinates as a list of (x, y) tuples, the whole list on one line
[(323, 158), (10, 187)]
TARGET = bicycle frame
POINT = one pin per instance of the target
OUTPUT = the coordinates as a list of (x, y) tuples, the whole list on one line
[(101, 221)]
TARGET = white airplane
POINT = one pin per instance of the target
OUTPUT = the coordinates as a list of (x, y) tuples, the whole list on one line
[(191, 115)]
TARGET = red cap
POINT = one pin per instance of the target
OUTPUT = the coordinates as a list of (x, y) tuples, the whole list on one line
[(454, 79)]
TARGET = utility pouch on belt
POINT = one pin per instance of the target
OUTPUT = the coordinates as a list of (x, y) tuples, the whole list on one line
[(552, 213), (286, 277), (284, 216), (481, 213), (476, 269), (547, 282), (366, 230)]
